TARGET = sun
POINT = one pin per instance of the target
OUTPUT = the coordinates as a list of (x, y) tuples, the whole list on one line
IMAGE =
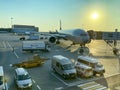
[(95, 16)]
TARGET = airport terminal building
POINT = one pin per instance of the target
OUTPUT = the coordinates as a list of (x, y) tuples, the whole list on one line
[(24, 29), (5, 30)]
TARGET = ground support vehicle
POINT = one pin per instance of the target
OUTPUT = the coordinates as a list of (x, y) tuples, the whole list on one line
[(22, 79), (84, 70), (35, 45), (97, 67), (34, 62), (63, 66), (33, 37)]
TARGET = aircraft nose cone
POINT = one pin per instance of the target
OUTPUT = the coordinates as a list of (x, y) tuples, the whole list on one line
[(87, 41)]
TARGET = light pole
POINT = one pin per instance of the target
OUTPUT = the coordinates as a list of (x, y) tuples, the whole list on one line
[(11, 21), (118, 56)]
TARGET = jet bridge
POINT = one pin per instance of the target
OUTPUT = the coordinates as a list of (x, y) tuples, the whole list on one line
[(109, 37), (99, 35)]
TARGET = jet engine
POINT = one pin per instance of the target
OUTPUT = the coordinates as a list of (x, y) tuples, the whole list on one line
[(52, 39)]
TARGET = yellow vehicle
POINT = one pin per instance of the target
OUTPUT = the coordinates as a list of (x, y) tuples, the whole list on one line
[(35, 61)]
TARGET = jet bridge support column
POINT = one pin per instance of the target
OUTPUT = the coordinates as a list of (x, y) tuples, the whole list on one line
[(118, 56), (118, 63)]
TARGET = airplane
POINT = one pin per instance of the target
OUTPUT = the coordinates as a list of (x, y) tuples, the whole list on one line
[(82, 37), (77, 36)]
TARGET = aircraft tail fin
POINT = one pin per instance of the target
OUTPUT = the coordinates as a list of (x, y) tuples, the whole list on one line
[(60, 25)]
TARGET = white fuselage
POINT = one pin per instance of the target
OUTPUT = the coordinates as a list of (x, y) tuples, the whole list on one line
[(77, 36)]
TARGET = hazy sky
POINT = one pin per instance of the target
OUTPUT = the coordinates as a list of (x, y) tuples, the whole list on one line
[(46, 14)]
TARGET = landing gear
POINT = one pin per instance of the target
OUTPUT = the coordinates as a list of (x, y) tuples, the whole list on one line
[(57, 42), (83, 51), (113, 44), (116, 51)]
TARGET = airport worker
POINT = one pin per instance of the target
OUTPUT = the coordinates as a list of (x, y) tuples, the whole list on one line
[(115, 51)]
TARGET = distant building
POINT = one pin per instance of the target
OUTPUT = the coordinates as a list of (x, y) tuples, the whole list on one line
[(24, 29), (5, 30)]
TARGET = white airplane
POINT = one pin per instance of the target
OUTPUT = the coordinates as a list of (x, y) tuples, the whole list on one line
[(80, 36), (77, 36)]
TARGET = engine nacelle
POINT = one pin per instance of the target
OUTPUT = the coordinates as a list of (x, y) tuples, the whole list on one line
[(52, 39)]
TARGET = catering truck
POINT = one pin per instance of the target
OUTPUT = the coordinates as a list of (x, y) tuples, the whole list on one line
[(35, 45), (83, 70), (97, 67)]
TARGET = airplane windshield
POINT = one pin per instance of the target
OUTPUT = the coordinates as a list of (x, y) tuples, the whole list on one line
[(68, 66)]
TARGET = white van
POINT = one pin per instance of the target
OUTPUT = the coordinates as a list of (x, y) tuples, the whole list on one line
[(98, 68), (2, 83), (63, 66), (84, 70)]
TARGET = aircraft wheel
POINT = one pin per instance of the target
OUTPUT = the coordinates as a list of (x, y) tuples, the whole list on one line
[(116, 51), (84, 51), (57, 42)]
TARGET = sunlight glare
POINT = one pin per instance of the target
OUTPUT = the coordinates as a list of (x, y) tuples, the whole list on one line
[(95, 16)]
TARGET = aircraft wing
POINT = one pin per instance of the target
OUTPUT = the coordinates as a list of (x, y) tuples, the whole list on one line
[(58, 36)]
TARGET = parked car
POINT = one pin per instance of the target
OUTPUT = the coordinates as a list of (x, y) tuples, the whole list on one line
[(22, 78), (2, 83)]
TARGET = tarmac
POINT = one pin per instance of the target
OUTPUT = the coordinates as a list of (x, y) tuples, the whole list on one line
[(104, 53)]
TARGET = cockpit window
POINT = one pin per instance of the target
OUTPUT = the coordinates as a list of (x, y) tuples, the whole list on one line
[(80, 33), (83, 34)]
